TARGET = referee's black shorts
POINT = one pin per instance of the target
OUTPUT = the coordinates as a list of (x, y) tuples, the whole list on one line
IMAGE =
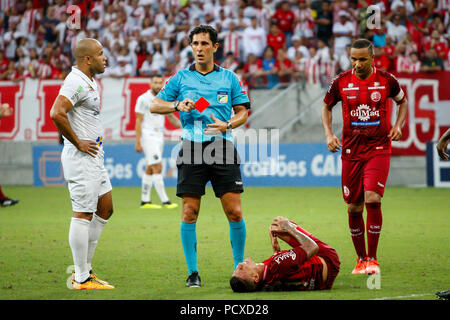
[(215, 161)]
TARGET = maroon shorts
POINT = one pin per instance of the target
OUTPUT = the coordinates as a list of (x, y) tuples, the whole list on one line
[(333, 265), (364, 175)]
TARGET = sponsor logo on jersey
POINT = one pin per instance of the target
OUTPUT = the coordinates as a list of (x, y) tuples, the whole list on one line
[(285, 255), (364, 113)]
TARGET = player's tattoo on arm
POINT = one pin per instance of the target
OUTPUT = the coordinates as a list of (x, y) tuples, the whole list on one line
[(307, 244)]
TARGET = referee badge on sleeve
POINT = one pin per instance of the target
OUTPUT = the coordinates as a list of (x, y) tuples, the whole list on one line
[(222, 97)]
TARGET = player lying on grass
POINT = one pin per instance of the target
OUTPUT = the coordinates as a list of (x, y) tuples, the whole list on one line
[(310, 265)]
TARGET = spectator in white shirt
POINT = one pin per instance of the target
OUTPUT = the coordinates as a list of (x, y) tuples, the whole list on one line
[(146, 68), (95, 22), (407, 4), (342, 31), (396, 30), (232, 40), (9, 41), (123, 68), (159, 60), (222, 6), (305, 25), (297, 46), (254, 38)]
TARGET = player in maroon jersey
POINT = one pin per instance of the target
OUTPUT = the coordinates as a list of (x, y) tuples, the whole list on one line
[(310, 265), (366, 144)]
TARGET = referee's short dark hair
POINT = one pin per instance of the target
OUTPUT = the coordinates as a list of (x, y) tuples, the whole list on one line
[(204, 29), (363, 43)]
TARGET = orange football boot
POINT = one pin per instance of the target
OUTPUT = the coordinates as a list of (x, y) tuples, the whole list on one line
[(360, 267)]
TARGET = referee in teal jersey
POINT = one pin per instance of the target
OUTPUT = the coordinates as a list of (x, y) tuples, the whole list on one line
[(205, 96)]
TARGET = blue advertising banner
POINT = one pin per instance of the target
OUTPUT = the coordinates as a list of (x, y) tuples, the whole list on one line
[(438, 170), (286, 164)]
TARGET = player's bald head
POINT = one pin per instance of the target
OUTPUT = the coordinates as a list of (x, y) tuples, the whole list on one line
[(86, 47)]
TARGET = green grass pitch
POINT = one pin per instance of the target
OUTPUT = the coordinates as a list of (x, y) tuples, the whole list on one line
[(140, 250)]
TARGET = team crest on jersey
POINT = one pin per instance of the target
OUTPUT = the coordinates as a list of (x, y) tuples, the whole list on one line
[(222, 97), (375, 96)]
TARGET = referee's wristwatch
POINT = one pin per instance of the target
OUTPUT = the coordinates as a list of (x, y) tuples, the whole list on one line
[(229, 126), (176, 105)]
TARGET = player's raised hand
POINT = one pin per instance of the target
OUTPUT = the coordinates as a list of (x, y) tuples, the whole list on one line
[(187, 105), (89, 147), (216, 127), (278, 226), (395, 134), (333, 143), (273, 240)]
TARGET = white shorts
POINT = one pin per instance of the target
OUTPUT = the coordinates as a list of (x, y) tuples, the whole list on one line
[(153, 149), (87, 178)]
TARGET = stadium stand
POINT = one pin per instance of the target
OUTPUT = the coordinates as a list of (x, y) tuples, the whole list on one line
[(308, 39)]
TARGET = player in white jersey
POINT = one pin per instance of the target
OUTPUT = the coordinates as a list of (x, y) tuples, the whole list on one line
[(76, 113), (150, 139)]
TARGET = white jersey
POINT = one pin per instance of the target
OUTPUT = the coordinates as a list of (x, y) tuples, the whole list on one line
[(84, 117), (153, 123)]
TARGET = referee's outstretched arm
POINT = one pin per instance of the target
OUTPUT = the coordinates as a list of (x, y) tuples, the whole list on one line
[(164, 107)]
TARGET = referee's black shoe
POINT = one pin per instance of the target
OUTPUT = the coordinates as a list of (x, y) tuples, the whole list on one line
[(193, 280), (8, 202)]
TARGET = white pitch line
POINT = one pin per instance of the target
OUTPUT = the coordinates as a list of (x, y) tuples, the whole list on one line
[(403, 297)]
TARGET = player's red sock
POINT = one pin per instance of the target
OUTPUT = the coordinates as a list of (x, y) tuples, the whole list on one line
[(374, 222), (2, 196), (356, 224)]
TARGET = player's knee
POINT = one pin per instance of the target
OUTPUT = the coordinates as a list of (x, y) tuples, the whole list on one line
[(234, 214), (371, 196), (355, 208), (106, 213), (189, 213)]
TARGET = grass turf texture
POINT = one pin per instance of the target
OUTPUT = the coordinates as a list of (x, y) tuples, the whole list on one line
[(140, 250)]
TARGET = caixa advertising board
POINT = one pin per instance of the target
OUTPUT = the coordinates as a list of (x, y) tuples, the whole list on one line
[(285, 164)]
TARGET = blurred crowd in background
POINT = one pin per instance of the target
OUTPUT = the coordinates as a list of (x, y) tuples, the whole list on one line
[(265, 42)]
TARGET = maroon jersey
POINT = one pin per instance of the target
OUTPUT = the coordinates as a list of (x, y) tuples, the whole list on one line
[(296, 272), (365, 113)]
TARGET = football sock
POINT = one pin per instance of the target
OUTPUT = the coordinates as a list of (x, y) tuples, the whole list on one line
[(78, 240), (189, 242), (356, 224), (237, 237), (374, 222), (95, 230), (2, 196), (160, 188), (147, 182)]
